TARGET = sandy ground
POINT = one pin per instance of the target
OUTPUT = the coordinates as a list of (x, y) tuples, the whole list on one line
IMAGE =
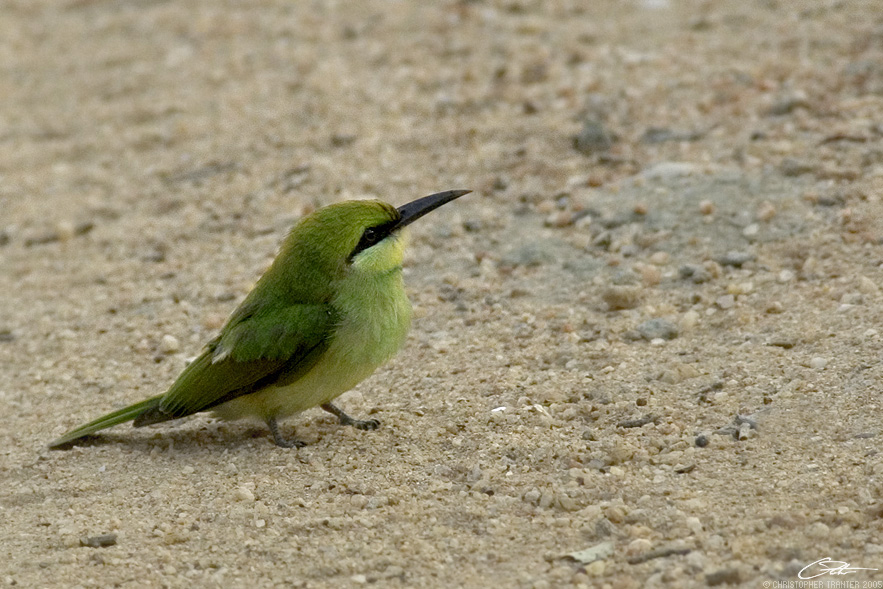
[(660, 340)]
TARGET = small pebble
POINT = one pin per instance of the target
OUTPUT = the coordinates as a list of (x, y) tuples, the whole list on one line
[(545, 207), (735, 259), (658, 329), (547, 499), (706, 207), (102, 541), (723, 577), (214, 321), (694, 525), (638, 546), (622, 297), (746, 432), (765, 211), (650, 275), (671, 170), (593, 138), (868, 286), (659, 258), (741, 288), (852, 298), (775, 308), (678, 372), (663, 134), (726, 301), (689, 320), (785, 276), (788, 104), (698, 274), (244, 494), (794, 167), (751, 230), (818, 363), (559, 219), (532, 496), (597, 568), (169, 344)]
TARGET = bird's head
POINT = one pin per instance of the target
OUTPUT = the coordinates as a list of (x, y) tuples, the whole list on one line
[(361, 235)]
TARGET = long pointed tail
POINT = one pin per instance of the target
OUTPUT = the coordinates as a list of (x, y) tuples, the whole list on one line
[(111, 419)]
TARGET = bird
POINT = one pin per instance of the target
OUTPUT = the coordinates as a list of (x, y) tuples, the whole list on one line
[(329, 311)]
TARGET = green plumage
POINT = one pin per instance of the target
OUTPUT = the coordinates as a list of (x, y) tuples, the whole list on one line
[(329, 310), (109, 420)]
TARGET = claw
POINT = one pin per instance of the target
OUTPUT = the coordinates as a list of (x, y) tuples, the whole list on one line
[(281, 441), (366, 424)]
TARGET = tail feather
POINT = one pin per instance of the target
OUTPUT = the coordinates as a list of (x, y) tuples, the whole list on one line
[(111, 419)]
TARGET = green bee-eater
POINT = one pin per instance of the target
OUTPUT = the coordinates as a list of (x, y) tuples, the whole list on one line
[(330, 309)]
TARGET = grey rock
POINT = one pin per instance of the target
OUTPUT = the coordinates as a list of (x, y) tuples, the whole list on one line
[(593, 138), (788, 104), (102, 541), (735, 259), (658, 328), (661, 135), (794, 167), (694, 272), (670, 170)]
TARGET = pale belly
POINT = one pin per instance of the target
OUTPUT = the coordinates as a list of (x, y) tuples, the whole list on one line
[(362, 343)]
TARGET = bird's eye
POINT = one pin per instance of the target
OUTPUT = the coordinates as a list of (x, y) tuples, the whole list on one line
[(371, 236)]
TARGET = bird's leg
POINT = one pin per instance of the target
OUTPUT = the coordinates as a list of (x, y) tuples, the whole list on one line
[(366, 424), (278, 439)]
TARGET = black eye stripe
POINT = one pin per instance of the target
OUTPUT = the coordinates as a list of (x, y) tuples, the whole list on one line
[(372, 236)]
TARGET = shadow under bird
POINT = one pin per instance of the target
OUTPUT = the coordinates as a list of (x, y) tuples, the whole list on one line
[(330, 309)]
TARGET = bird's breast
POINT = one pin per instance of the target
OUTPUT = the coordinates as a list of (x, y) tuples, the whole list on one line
[(375, 316)]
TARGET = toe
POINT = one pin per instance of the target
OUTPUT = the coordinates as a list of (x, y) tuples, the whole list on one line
[(367, 424)]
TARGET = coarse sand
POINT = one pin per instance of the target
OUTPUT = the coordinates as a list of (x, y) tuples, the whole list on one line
[(646, 350)]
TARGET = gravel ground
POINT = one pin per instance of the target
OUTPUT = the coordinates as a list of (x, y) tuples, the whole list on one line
[(653, 332)]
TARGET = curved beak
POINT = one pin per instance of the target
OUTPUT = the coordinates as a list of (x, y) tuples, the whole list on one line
[(415, 209)]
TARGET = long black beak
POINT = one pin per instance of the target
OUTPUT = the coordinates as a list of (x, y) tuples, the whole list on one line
[(416, 209)]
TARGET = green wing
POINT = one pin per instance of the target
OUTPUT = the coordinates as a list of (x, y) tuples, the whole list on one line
[(253, 351)]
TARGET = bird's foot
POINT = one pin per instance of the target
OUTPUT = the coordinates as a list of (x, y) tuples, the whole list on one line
[(363, 424), (279, 440)]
